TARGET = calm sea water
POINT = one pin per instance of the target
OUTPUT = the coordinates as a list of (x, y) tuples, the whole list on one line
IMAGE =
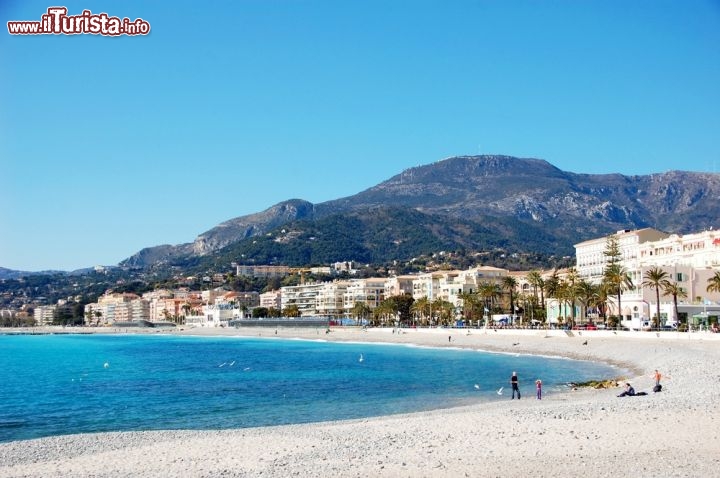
[(65, 384)]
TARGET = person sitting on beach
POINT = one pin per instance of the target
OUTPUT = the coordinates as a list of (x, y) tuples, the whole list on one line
[(629, 391)]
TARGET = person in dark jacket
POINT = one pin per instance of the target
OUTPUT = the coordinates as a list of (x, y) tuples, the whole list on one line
[(514, 383), (629, 391)]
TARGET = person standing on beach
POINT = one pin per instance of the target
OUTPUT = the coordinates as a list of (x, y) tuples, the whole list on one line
[(538, 386), (514, 383), (657, 376)]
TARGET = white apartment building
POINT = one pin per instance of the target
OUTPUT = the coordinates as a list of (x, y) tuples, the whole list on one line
[(590, 260), (369, 291), (427, 285), (303, 296), (44, 314), (690, 260), (399, 285), (699, 251), (330, 299)]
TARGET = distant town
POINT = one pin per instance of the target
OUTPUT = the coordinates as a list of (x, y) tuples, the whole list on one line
[(639, 279)]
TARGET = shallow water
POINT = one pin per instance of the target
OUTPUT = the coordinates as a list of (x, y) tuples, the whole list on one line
[(65, 384)]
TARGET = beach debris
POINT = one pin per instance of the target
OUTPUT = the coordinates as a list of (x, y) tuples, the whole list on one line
[(106, 365), (516, 343), (499, 392), (585, 343), (477, 387)]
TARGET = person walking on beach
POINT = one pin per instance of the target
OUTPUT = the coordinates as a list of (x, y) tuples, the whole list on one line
[(538, 386), (514, 383)]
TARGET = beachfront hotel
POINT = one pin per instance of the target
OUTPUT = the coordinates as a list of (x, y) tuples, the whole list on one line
[(690, 260)]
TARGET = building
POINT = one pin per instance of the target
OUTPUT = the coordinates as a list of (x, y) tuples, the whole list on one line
[(214, 315), (242, 300), (271, 300), (399, 285), (590, 259), (267, 272), (114, 307), (370, 291), (44, 314), (303, 296), (689, 260), (330, 300)]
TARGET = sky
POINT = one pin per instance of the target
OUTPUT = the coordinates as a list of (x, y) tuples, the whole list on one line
[(112, 144)]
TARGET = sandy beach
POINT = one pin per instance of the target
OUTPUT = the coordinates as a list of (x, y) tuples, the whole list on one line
[(587, 432)]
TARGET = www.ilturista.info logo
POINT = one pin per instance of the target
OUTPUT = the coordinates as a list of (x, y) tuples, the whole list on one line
[(57, 22)]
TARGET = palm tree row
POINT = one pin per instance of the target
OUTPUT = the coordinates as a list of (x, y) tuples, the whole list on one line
[(571, 291)]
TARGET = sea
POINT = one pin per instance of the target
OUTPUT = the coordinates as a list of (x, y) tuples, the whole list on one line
[(67, 384)]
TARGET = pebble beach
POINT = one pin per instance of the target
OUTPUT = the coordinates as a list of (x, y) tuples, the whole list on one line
[(583, 432)]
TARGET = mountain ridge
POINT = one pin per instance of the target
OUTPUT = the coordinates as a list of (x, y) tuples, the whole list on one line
[(527, 191)]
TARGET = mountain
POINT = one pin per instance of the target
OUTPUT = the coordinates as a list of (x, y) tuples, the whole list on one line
[(535, 191), (13, 274), (470, 202), (225, 233)]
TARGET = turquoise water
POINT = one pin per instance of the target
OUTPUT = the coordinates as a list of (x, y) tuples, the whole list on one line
[(65, 384)]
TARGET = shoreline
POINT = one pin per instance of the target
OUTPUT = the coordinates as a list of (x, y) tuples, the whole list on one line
[(588, 431)]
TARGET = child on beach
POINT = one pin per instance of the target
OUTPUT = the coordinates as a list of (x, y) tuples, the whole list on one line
[(538, 386)]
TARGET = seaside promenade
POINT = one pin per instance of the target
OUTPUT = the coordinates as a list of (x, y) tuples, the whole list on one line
[(587, 432)]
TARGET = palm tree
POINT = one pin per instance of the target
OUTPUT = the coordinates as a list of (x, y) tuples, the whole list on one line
[(561, 292), (291, 310), (186, 308), (445, 310), (489, 292), (571, 290), (600, 299), (585, 293), (509, 283), (674, 289), (535, 280), (714, 283), (618, 281), (422, 308), (655, 278), (384, 311), (471, 305), (360, 311), (552, 284)]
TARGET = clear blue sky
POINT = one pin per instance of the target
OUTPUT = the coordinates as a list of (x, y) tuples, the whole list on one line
[(109, 145)]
